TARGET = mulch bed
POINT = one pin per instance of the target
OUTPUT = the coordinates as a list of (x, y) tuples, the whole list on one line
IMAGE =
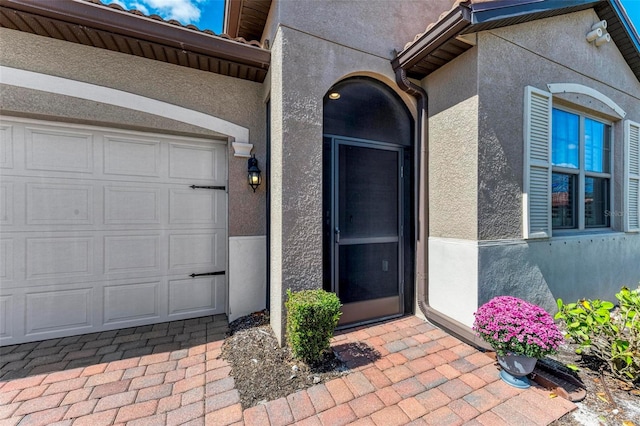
[(609, 401), (264, 371)]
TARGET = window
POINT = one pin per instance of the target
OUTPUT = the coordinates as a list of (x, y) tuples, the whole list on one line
[(568, 166), (581, 171)]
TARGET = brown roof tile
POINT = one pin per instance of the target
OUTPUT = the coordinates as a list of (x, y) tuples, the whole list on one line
[(455, 4)]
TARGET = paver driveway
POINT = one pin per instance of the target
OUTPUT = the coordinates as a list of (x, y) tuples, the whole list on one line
[(171, 373)]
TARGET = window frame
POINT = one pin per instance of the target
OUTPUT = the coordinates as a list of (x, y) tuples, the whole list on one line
[(582, 173)]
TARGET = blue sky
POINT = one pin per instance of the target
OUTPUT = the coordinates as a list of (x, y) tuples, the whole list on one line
[(204, 14), (633, 10), (207, 14)]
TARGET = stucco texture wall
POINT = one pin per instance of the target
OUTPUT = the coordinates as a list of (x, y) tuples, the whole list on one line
[(234, 100), (453, 148), (376, 27), (569, 268), (303, 69)]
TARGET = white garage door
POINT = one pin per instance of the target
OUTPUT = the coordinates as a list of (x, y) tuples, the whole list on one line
[(100, 229)]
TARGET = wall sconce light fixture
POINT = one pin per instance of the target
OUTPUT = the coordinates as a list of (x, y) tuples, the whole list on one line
[(254, 173)]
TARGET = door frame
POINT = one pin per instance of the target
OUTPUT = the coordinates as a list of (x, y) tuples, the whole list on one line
[(379, 304)]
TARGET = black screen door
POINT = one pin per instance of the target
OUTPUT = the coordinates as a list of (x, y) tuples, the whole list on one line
[(367, 221)]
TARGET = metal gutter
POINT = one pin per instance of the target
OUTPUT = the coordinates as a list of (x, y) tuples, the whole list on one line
[(129, 25)]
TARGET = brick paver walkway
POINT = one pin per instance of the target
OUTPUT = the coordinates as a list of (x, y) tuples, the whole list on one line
[(172, 374)]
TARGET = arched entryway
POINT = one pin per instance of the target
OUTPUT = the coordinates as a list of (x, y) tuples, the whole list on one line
[(368, 243)]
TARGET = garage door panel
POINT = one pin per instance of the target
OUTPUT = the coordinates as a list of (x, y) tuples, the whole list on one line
[(59, 257), (6, 147), (197, 207), (131, 302), (131, 157), (68, 310), (196, 296), (55, 203), (6, 317), (132, 253), (194, 162), (191, 253), (6, 260), (6, 203), (132, 205), (63, 151)]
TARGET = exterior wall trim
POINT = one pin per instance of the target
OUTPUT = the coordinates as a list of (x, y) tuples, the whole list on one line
[(247, 285), (120, 98), (584, 90)]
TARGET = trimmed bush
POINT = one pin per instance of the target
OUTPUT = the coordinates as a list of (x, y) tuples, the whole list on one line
[(312, 316)]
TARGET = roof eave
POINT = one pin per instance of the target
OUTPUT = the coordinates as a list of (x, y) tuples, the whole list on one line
[(623, 34), (232, 10), (501, 11), (483, 16), (445, 29), (127, 24), (246, 18)]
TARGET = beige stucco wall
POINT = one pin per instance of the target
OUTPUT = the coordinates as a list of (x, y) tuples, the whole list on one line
[(230, 99), (547, 51), (376, 27), (453, 148)]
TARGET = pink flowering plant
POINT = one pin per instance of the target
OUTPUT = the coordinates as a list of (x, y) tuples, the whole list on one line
[(514, 326)]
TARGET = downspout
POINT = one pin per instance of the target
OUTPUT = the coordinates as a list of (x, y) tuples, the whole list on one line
[(420, 189), (421, 211)]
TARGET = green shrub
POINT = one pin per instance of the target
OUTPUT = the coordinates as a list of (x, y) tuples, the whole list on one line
[(312, 316), (612, 336)]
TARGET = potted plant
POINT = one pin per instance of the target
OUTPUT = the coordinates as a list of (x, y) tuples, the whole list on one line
[(520, 333)]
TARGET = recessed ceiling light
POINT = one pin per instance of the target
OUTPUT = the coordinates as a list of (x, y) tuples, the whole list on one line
[(334, 95)]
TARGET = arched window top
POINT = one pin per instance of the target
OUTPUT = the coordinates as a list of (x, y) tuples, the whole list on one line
[(579, 88), (367, 109)]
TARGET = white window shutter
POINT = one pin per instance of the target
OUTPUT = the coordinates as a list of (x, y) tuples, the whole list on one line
[(536, 196), (632, 176)]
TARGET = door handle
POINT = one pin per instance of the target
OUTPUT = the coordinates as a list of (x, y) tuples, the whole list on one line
[(337, 232)]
